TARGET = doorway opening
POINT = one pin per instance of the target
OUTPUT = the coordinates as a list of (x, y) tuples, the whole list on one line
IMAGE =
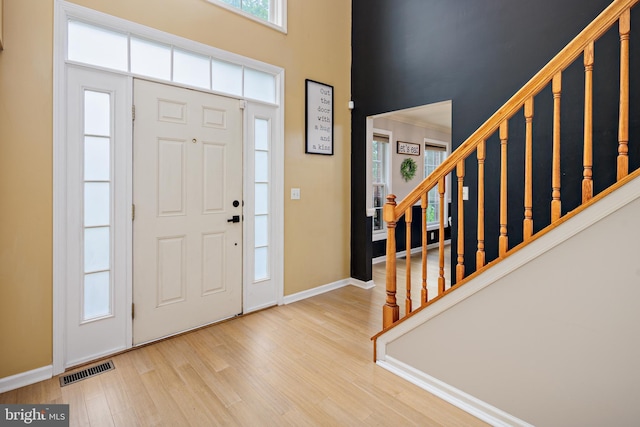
[(398, 142)]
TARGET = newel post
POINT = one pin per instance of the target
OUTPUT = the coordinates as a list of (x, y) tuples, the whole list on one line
[(390, 310)]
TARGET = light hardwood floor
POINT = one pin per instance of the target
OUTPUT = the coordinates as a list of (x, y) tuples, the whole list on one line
[(304, 364)]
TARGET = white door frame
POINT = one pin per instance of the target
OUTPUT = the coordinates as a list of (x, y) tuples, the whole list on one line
[(62, 11)]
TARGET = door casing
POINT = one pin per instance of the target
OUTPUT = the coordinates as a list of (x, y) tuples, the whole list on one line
[(62, 12)]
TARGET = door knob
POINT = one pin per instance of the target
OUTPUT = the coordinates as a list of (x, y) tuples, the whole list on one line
[(235, 218)]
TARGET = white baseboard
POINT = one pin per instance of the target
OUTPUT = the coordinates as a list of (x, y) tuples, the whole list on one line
[(458, 398), (326, 288), (25, 378), (401, 254)]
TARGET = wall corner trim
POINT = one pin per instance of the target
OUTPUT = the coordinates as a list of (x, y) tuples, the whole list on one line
[(299, 296), (362, 284), (458, 398), (25, 378)]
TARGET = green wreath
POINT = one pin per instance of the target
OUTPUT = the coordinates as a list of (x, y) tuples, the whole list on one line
[(408, 169)]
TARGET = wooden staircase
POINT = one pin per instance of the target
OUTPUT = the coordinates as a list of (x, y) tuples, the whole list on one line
[(474, 149)]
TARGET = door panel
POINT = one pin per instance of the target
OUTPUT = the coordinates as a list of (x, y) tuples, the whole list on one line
[(187, 256)]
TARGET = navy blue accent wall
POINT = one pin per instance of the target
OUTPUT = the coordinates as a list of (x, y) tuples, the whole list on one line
[(478, 54)]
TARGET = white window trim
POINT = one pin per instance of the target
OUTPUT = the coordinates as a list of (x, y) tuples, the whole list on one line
[(277, 20), (64, 10), (447, 199), (382, 234)]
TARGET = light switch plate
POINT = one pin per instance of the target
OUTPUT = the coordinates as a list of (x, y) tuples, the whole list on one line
[(295, 194), (465, 193)]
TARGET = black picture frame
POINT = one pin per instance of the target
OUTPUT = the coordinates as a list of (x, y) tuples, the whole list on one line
[(407, 148), (318, 118)]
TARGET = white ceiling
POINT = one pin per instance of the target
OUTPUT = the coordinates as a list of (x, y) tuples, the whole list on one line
[(436, 116)]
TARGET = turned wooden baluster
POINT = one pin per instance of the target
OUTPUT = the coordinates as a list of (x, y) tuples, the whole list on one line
[(390, 310), (623, 126), (481, 155), (460, 265), (503, 241), (441, 281), (408, 218), (424, 295), (587, 181), (527, 229), (556, 207)]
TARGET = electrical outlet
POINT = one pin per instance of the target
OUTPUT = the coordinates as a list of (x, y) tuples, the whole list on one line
[(432, 235), (295, 194)]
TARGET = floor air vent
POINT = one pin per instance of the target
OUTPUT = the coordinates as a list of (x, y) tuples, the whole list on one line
[(86, 373)]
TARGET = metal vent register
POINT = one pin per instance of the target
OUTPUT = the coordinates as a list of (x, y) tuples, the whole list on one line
[(86, 373)]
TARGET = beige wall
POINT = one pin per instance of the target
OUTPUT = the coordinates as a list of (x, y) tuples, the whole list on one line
[(317, 233), (25, 186), (555, 342)]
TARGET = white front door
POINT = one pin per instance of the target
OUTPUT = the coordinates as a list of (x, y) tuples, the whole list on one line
[(187, 192)]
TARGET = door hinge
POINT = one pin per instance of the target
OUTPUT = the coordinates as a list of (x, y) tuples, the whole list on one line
[(133, 306), (133, 212), (133, 113)]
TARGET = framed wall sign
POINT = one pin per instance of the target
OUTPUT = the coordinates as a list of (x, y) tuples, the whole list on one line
[(318, 118), (408, 148)]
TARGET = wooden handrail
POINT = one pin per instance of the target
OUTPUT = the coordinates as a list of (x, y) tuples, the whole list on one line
[(551, 74), (563, 59)]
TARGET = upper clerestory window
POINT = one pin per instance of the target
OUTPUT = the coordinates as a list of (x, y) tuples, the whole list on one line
[(269, 12)]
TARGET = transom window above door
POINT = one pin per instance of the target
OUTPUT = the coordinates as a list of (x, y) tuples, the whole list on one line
[(111, 49)]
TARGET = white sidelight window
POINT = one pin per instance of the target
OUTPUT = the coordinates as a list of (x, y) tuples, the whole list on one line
[(263, 216), (97, 288), (97, 210), (262, 190)]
